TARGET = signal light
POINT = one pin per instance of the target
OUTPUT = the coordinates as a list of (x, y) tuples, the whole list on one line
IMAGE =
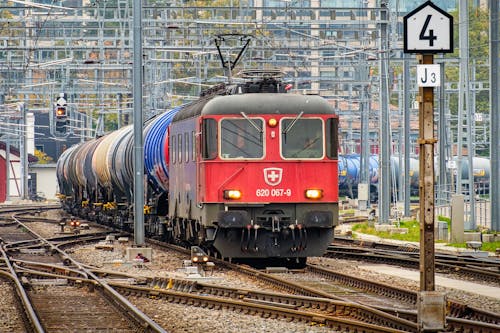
[(61, 118), (60, 112)]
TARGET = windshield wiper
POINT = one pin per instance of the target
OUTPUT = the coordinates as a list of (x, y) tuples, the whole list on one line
[(292, 123), (252, 122)]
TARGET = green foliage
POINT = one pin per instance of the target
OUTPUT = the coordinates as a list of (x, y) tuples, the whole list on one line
[(478, 52), (490, 247), (6, 27), (445, 219), (478, 61), (110, 122), (347, 212), (413, 234)]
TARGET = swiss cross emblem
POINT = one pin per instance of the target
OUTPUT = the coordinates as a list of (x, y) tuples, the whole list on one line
[(272, 176)]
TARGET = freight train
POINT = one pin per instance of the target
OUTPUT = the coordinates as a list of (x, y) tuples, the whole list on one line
[(350, 174), (350, 170), (247, 171)]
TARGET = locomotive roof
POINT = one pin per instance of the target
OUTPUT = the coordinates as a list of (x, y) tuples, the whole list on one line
[(259, 103)]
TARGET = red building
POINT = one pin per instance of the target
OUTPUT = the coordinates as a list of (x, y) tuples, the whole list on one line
[(15, 190)]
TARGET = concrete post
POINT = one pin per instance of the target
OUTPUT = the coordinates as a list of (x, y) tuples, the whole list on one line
[(457, 218)]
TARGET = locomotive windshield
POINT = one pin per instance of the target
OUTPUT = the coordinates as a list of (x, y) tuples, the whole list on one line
[(242, 138), (302, 140)]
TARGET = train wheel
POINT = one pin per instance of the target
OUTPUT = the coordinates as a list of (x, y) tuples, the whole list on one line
[(296, 263)]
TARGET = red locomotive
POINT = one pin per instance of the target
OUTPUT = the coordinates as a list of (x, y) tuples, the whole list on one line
[(252, 173)]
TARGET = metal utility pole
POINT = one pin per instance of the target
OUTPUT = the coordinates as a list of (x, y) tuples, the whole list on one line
[(442, 178), (407, 128), (138, 140), (7, 168), (464, 111), (495, 117), (365, 140), (364, 108), (119, 103), (24, 152), (384, 198)]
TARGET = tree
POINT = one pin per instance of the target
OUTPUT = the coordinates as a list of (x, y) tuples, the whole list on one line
[(478, 60)]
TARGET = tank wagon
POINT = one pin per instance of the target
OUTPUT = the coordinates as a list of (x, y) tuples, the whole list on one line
[(350, 173), (247, 171), (350, 170)]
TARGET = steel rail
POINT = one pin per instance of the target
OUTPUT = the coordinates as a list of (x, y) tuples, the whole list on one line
[(484, 318), (265, 309), (266, 303), (117, 299), (32, 316)]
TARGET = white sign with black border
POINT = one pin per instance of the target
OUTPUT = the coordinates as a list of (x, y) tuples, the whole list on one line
[(428, 29)]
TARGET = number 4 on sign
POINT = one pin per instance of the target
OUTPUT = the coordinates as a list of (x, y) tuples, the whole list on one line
[(430, 37), (428, 75)]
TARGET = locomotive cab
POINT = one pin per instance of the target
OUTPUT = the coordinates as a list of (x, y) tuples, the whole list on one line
[(262, 181)]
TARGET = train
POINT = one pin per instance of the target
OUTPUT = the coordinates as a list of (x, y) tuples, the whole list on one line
[(350, 171), (350, 174), (248, 172)]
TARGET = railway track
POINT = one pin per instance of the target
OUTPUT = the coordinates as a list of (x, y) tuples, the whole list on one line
[(336, 315), (482, 269), (456, 310), (64, 281), (459, 315), (61, 303), (296, 301)]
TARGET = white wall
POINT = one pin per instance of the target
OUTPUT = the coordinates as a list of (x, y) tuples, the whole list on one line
[(46, 180)]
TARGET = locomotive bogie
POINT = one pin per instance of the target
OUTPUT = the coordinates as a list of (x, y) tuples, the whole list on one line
[(275, 230), (243, 243)]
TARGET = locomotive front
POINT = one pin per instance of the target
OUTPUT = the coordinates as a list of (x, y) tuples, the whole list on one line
[(263, 179)]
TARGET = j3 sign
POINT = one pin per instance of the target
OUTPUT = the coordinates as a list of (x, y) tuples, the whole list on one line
[(428, 75)]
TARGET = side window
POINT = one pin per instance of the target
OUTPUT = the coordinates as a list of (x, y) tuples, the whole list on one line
[(332, 138), (179, 147), (187, 144), (209, 139), (173, 149), (193, 146)]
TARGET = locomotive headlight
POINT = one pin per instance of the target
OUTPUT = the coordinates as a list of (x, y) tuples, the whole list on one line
[(232, 194), (272, 122), (314, 194)]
